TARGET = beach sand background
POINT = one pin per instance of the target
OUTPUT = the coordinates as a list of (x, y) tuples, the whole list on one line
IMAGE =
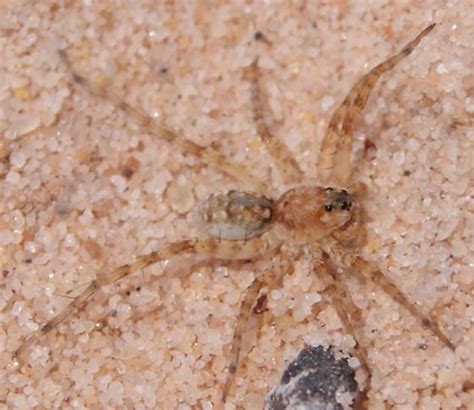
[(84, 190)]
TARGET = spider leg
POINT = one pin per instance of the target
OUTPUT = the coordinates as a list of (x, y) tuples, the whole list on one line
[(337, 291), (343, 304), (280, 153), (388, 286), (328, 149), (360, 267), (266, 277), (231, 250), (205, 153), (334, 163)]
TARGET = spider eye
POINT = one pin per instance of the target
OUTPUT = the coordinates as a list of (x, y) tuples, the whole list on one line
[(328, 190), (328, 207), (346, 206)]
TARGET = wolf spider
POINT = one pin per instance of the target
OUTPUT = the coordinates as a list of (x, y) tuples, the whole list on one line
[(328, 218)]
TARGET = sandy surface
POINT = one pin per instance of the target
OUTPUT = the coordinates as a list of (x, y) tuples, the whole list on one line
[(83, 190)]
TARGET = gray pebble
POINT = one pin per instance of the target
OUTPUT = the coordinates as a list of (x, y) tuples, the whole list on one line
[(313, 381)]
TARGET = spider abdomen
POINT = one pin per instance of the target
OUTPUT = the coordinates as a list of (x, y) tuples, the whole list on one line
[(236, 215)]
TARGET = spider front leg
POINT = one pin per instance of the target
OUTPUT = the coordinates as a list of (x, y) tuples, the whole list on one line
[(345, 307), (360, 265), (285, 162), (334, 164), (206, 154), (355, 265), (229, 250)]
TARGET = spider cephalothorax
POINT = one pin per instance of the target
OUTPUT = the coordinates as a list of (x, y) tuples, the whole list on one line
[(311, 213)]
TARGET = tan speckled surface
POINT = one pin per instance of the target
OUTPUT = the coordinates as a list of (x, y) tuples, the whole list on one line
[(84, 190)]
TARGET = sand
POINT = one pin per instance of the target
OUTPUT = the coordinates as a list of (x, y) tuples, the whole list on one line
[(84, 190)]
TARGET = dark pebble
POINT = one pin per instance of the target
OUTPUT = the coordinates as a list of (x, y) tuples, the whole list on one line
[(312, 382)]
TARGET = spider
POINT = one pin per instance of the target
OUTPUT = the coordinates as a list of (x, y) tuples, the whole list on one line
[(326, 219)]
